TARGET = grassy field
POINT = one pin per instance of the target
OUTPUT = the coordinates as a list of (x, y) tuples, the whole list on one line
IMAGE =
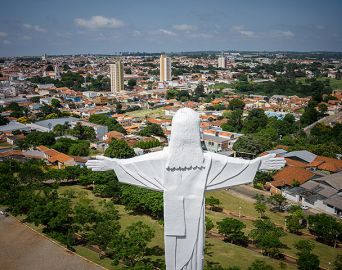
[(335, 84), (150, 113), (217, 251)]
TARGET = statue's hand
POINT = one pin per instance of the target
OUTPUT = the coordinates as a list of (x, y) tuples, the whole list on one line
[(100, 164), (270, 162)]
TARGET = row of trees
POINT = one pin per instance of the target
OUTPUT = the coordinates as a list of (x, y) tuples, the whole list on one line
[(267, 236), (83, 133), (263, 133), (147, 144), (70, 218), (285, 86)]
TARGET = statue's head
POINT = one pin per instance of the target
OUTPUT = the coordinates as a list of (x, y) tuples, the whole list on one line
[(185, 151)]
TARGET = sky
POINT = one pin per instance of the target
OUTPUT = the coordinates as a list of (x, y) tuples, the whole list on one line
[(35, 27)]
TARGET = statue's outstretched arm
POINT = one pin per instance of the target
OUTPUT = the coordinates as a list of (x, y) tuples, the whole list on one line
[(100, 164), (227, 171), (143, 171)]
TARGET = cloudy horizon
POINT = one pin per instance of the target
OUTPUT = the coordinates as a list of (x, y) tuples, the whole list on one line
[(108, 27)]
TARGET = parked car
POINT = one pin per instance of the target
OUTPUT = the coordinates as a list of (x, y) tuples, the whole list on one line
[(304, 207)]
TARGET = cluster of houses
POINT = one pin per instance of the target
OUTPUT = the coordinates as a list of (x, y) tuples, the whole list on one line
[(310, 180)]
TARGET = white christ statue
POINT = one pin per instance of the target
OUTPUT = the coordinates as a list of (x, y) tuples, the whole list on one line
[(183, 172)]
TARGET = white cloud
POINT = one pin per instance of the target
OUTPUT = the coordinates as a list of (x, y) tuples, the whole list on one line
[(36, 28), (3, 34), (282, 33), (184, 27), (98, 22), (244, 32), (166, 32), (287, 34), (6, 42), (201, 35), (320, 27)]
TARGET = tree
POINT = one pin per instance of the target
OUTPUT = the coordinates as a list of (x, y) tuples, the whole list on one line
[(105, 120), (255, 121), (152, 129), (51, 116), (83, 132), (234, 121), (261, 178), (13, 106), (251, 144), (209, 224), (267, 237), (36, 138), (323, 108), (293, 221), (214, 204), (130, 246), (309, 116), (232, 228), (306, 260), (85, 217), (131, 83), (147, 144), (326, 228), (236, 104), (60, 129), (55, 103), (79, 149), (49, 68), (278, 201), (23, 120), (260, 204), (104, 232), (260, 265), (199, 90), (119, 149), (3, 120), (55, 214)]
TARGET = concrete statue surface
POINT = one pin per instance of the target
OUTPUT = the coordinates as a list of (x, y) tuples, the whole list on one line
[(183, 172)]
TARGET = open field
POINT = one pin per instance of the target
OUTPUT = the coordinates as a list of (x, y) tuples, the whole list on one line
[(335, 84), (149, 112), (225, 254)]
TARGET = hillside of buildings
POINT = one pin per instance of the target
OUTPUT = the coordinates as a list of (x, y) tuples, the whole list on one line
[(57, 112)]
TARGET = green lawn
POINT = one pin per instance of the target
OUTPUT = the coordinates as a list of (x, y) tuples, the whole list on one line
[(232, 203), (335, 84), (158, 112), (93, 256), (220, 252)]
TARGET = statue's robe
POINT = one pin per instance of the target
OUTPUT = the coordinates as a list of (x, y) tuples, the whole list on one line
[(184, 201)]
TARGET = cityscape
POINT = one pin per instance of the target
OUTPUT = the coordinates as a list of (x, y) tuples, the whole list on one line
[(275, 92)]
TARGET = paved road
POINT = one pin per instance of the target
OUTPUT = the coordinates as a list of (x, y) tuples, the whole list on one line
[(24, 249)]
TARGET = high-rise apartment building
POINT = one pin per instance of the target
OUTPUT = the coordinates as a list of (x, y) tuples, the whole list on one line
[(116, 77), (165, 68), (221, 62)]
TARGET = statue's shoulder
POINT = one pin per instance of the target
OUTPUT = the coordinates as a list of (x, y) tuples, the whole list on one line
[(216, 157), (158, 155)]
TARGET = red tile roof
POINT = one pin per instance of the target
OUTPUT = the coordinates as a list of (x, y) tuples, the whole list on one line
[(290, 174)]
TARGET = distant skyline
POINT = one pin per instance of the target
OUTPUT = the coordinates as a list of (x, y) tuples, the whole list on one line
[(110, 26)]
